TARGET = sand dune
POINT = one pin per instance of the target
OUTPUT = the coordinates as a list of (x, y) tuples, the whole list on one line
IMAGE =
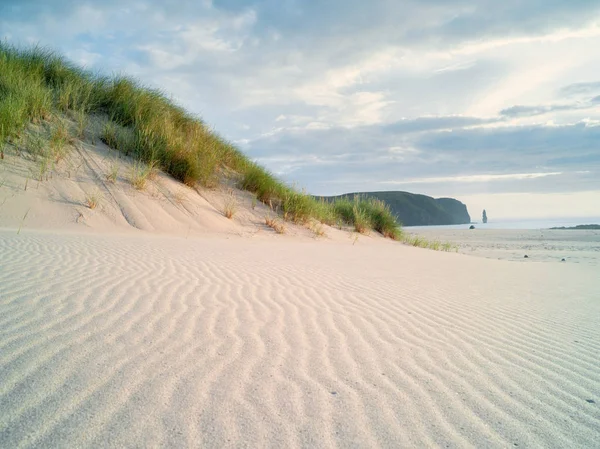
[(138, 341), (58, 199)]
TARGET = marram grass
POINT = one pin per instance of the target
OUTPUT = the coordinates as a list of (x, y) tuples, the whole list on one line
[(146, 124)]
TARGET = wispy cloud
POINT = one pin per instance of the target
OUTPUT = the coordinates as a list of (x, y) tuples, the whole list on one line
[(471, 178), (581, 89)]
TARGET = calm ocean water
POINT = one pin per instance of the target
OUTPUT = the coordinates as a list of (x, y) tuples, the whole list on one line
[(544, 223)]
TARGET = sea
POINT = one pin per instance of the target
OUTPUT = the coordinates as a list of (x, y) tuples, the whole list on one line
[(533, 223)]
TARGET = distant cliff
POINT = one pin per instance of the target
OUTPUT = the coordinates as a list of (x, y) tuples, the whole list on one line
[(581, 227), (419, 210)]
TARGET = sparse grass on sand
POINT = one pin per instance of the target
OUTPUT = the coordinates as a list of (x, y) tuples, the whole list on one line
[(230, 205), (275, 224), (317, 228), (82, 121), (140, 174), (44, 167), (113, 171), (92, 199), (35, 145), (422, 242), (59, 139), (179, 197)]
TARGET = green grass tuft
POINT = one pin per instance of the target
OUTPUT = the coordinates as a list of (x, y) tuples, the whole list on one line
[(422, 242), (140, 174)]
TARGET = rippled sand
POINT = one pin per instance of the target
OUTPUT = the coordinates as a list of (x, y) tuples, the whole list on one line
[(117, 341)]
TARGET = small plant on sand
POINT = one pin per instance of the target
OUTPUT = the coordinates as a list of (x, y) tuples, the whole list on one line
[(422, 242), (139, 175), (415, 240), (274, 224), (59, 139), (179, 197), (44, 167), (230, 206), (35, 146), (447, 246), (317, 228), (81, 120), (23, 221), (435, 245), (113, 171), (92, 199)]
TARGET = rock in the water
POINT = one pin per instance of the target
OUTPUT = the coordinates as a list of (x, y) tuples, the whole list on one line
[(562, 260), (471, 227), (526, 256)]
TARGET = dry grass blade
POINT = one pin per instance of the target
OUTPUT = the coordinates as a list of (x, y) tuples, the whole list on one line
[(317, 228), (59, 139), (179, 197), (23, 221), (139, 175), (274, 224), (92, 200), (422, 242), (230, 206), (113, 172)]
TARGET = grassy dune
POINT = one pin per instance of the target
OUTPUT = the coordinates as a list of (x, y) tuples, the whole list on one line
[(39, 86)]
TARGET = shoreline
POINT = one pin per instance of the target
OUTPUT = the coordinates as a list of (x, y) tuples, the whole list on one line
[(542, 245), (519, 225)]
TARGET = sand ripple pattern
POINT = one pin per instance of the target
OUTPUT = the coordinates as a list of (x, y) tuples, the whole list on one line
[(109, 341)]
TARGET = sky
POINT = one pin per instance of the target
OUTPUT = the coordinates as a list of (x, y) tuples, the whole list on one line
[(494, 103)]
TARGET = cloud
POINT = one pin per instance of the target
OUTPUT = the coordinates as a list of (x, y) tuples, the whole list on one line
[(471, 178), (433, 159), (339, 95), (437, 123), (580, 89), (530, 111)]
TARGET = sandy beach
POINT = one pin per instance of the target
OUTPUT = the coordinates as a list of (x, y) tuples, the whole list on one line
[(111, 340)]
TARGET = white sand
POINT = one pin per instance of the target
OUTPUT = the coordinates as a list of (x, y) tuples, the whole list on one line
[(154, 321), (125, 341)]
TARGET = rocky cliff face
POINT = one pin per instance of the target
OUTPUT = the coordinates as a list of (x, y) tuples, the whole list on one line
[(419, 210), (456, 210)]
